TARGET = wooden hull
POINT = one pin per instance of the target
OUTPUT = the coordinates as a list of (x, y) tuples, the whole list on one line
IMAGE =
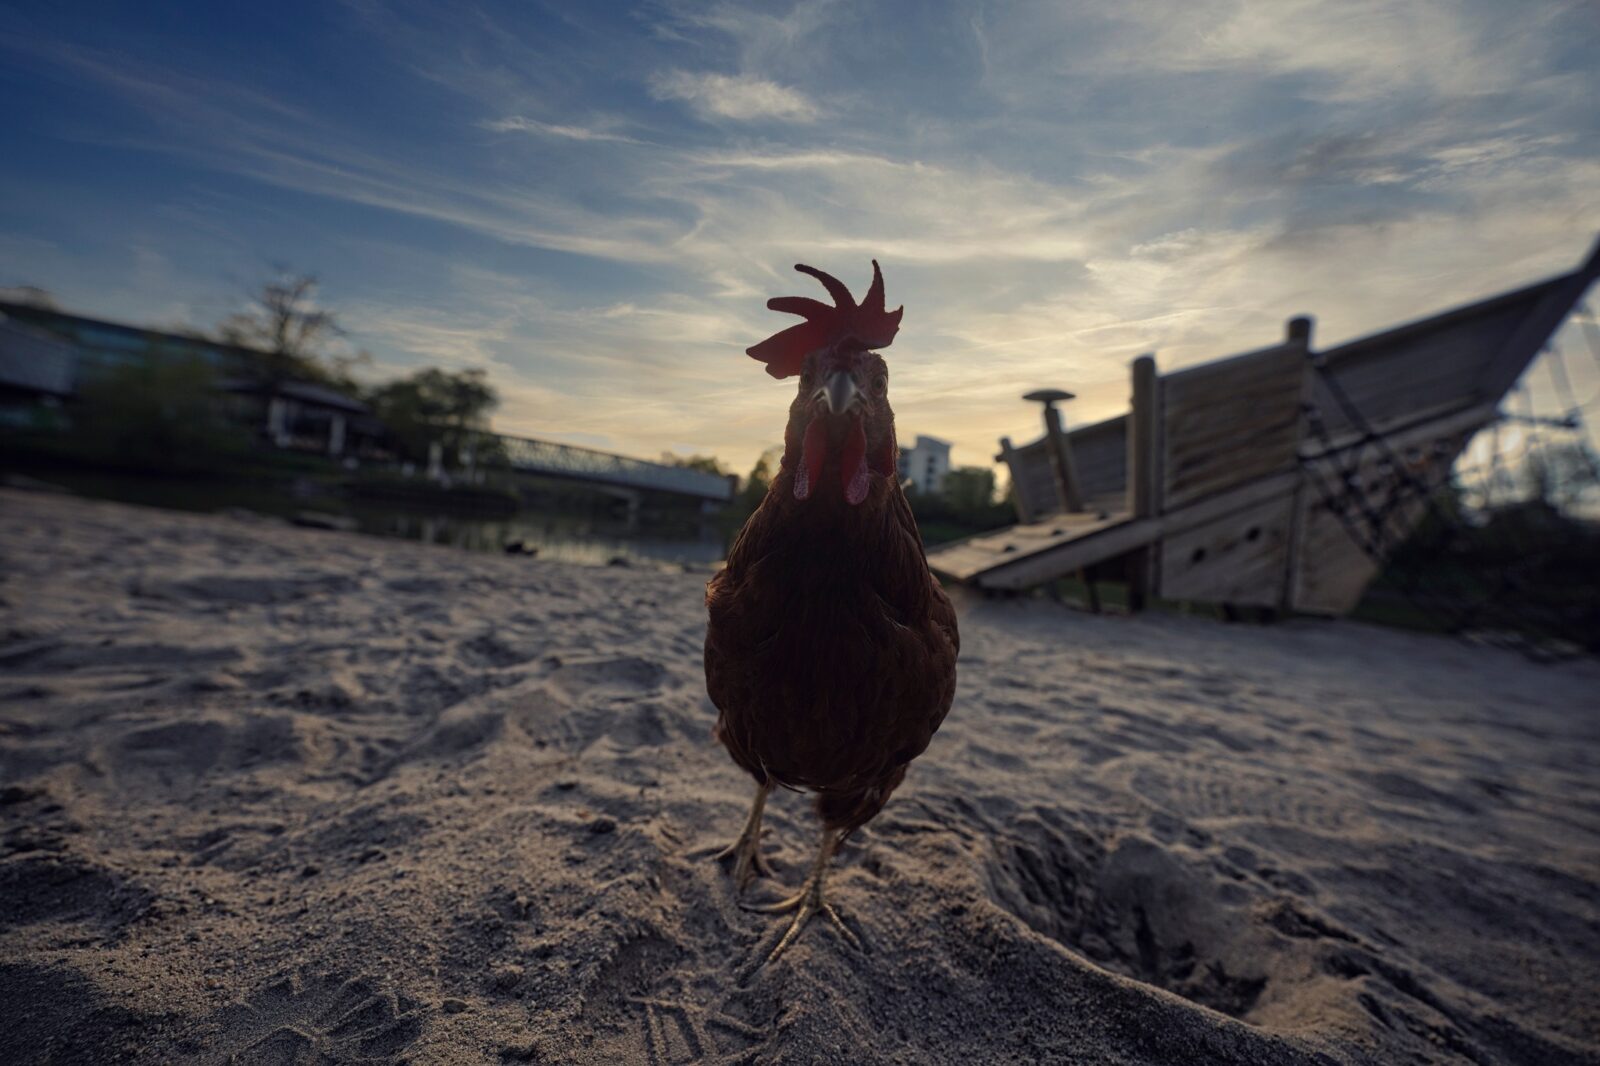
[(1279, 478)]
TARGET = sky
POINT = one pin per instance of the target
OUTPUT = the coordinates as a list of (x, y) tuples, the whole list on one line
[(593, 201)]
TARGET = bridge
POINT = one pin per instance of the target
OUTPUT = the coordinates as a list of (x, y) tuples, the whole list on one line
[(548, 459)]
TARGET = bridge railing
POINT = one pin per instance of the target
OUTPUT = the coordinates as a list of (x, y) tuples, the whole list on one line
[(587, 464)]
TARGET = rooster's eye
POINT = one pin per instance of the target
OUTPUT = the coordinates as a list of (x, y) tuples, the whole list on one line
[(880, 384)]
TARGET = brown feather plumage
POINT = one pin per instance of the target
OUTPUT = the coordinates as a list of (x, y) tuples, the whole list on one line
[(831, 650)]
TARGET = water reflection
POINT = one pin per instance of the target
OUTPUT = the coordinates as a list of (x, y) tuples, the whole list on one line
[(557, 537), (656, 537)]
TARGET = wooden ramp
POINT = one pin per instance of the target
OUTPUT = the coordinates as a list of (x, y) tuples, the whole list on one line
[(1026, 555), (1278, 478)]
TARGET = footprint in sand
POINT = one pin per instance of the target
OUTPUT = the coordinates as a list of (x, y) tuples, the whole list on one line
[(490, 650), (179, 754), (1134, 909), (655, 1019), (1203, 791), (621, 701), (680, 1033), (319, 1019)]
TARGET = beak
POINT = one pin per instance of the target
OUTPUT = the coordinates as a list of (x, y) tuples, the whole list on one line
[(839, 391)]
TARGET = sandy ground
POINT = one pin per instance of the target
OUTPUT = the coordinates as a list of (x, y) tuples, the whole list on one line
[(280, 796)]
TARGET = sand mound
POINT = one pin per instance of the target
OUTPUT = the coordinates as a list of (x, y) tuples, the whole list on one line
[(280, 796)]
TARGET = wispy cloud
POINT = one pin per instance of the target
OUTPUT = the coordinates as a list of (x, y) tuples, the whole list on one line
[(520, 124), (1052, 189), (739, 97)]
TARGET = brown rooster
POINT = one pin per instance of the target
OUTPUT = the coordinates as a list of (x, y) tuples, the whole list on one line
[(831, 650)]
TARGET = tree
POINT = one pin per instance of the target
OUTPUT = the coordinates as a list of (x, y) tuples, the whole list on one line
[(285, 323), (756, 483), (706, 464), (159, 413), (439, 405), (969, 489)]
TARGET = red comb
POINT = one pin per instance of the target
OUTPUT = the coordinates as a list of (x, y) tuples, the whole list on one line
[(785, 353)]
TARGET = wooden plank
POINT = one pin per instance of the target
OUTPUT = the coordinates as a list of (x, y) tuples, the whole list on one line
[(1237, 499), (1469, 353), (1030, 554), (1116, 537), (966, 559), (1230, 422), (1422, 426), (1238, 559), (1535, 329), (1333, 570), (1100, 452), (1389, 385)]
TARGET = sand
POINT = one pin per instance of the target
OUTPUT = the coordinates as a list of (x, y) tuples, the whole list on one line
[(273, 795)]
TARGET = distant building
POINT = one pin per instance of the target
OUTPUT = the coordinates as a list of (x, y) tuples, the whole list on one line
[(925, 464), (307, 417), (53, 352), (35, 375)]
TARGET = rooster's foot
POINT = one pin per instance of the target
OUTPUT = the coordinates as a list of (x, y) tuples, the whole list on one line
[(808, 901), (748, 863), (746, 851)]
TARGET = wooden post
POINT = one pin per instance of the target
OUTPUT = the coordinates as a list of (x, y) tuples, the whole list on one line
[(1144, 488), (1061, 454), (1143, 425), (1297, 331), (336, 431), (1059, 449), (1018, 492)]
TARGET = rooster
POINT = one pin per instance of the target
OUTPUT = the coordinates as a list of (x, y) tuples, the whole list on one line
[(831, 650)]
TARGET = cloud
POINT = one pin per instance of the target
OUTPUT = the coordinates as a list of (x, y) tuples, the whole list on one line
[(520, 124), (740, 97), (1075, 184), (220, 127)]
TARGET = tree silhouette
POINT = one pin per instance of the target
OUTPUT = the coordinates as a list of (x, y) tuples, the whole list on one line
[(439, 405), (285, 323)]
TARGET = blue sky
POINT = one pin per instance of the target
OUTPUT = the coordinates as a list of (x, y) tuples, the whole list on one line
[(593, 201)]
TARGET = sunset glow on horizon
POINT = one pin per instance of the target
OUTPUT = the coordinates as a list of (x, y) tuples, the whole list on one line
[(594, 202)]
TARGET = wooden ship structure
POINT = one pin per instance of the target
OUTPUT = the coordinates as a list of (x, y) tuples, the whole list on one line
[(1280, 478)]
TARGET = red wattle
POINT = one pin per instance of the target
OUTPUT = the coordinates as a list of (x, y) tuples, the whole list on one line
[(853, 465), (813, 453)]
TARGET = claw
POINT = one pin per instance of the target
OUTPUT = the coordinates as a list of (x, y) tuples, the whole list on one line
[(805, 905), (807, 902), (748, 863)]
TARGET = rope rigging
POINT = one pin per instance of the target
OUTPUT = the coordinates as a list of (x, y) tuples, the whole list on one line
[(1375, 495)]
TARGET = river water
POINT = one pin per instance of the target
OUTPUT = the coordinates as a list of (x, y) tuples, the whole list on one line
[(565, 536)]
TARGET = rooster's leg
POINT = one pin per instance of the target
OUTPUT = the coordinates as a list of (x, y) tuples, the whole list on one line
[(746, 851), (810, 900)]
